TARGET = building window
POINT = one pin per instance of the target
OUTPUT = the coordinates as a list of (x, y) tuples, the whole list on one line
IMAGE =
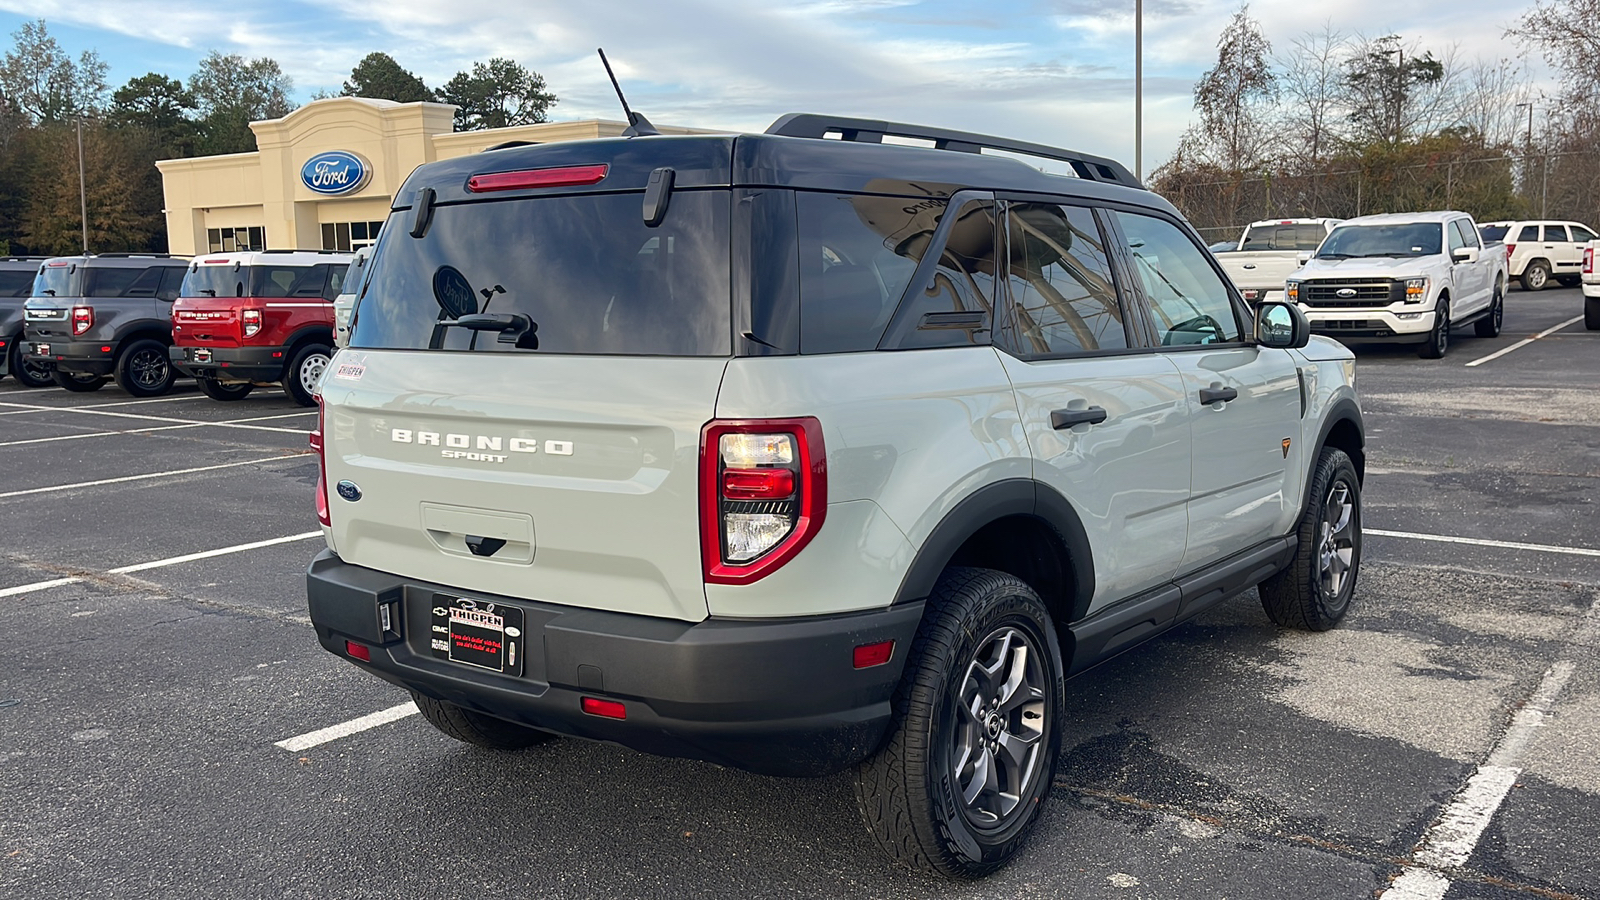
[(228, 240), (349, 235)]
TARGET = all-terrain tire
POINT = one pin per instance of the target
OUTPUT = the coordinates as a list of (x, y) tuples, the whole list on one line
[(1314, 592), (144, 369), (217, 390), (912, 793), (478, 729), (1591, 313), (1437, 343), (1489, 325), (300, 379), (78, 384)]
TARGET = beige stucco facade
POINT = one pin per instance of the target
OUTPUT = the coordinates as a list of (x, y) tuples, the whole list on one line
[(214, 196)]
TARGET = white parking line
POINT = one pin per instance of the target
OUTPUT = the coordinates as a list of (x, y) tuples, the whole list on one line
[(345, 729), (1418, 884), (152, 428), (1524, 342), (89, 411), (160, 563), (126, 478), (1480, 542)]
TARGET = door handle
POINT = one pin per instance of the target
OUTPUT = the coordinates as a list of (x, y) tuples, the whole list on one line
[(1209, 396), (1066, 418)]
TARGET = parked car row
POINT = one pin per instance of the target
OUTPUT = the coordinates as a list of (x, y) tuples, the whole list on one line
[(231, 321), (1409, 277)]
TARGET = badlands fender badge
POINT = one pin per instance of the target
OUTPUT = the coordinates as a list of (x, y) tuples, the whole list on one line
[(1285, 454)]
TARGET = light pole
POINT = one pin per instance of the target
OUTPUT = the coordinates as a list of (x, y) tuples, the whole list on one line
[(1138, 89), (1399, 89), (1527, 153), (83, 190)]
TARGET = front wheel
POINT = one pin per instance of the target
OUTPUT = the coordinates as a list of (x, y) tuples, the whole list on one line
[(305, 370), (1314, 592), (27, 372), (965, 771), (78, 384), (218, 390), (144, 369), (1438, 341), (1489, 325)]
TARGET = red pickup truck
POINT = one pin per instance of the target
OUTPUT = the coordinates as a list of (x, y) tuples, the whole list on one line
[(264, 317)]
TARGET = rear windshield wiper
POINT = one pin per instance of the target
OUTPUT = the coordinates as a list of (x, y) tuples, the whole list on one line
[(514, 328)]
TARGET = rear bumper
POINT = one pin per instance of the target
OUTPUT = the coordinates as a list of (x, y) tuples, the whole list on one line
[(231, 363), (1591, 288), (75, 357), (777, 697)]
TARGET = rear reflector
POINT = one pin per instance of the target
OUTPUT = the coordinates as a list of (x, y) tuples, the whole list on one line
[(532, 178), (869, 655), (609, 709), (358, 651)]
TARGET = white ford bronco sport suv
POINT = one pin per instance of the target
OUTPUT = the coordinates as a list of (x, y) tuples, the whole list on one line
[(799, 455)]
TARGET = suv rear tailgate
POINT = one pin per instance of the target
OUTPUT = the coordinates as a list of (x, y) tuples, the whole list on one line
[(585, 466)]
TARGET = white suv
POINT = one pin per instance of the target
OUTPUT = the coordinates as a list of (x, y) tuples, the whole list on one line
[(1537, 251)]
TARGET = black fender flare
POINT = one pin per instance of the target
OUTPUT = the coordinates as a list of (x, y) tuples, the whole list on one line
[(1343, 410), (308, 333), (1010, 497)]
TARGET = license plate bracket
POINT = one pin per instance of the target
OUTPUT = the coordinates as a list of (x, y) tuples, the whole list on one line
[(477, 633), (41, 349), (202, 355)]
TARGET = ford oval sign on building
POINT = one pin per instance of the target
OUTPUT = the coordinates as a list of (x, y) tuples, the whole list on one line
[(335, 172)]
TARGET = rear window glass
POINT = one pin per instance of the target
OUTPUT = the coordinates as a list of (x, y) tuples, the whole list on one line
[(215, 281), (16, 283), (585, 270), (1492, 233), (58, 281), (1284, 237)]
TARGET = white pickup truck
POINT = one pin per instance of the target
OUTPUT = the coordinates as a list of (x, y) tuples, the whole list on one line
[(1403, 278), (1591, 287), (1268, 253)]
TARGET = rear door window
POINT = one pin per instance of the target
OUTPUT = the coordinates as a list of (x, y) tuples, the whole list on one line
[(1188, 298), (1063, 299), (16, 283), (1555, 234), (585, 270)]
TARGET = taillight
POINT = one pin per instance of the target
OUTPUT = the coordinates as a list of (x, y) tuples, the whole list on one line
[(82, 319), (1588, 260), (763, 494), (315, 440), (1510, 249), (250, 319)]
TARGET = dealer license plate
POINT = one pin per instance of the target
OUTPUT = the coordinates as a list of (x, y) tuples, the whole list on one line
[(41, 349), (202, 355), (477, 633)]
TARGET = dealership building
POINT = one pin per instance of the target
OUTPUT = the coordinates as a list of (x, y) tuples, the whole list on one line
[(324, 175)]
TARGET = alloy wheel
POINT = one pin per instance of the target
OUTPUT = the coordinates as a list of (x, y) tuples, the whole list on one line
[(149, 368), (1337, 539), (998, 744)]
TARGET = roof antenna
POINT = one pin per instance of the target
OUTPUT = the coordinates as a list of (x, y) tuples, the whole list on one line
[(637, 124)]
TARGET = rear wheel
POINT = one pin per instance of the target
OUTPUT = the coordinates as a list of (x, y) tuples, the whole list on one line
[(29, 373), (1438, 341), (1489, 325), (1314, 592), (217, 390), (1591, 313), (965, 771), (305, 370), (476, 728), (78, 384), (144, 369), (1536, 275)]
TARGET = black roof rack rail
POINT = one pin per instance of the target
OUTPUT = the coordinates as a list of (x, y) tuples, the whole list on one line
[(873, 131), (280, 250), (133, 254), (23, 258)]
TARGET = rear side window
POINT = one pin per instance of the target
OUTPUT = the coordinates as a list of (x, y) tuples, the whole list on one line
[(16, 283), (586, 270), (1581, 234), (171, 281), (122, 282), (955, 309), (857, 254), (1187, 297), (288, 281), (1063, 298), (1529, 233)]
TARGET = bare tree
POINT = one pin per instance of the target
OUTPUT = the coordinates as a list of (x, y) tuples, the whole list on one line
[(1312, 75)]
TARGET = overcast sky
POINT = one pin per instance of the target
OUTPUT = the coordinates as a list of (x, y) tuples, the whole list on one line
[(1052, 71)]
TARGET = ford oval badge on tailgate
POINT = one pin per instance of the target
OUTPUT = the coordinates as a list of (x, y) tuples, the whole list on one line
[(349, 491)]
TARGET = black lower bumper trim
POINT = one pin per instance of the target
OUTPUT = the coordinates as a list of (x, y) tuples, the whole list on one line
[(231, 363), (777, 697)]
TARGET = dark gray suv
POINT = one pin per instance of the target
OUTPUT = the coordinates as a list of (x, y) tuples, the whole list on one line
[(91, 317), (16, 286)]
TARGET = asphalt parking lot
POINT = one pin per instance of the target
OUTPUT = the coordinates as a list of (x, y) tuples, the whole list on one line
[(170, 728)]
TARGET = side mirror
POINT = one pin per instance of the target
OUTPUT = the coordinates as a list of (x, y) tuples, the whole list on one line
[(1465, 255), (1282, 325)]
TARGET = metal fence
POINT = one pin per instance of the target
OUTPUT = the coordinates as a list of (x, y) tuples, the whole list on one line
[(1553, 186)]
